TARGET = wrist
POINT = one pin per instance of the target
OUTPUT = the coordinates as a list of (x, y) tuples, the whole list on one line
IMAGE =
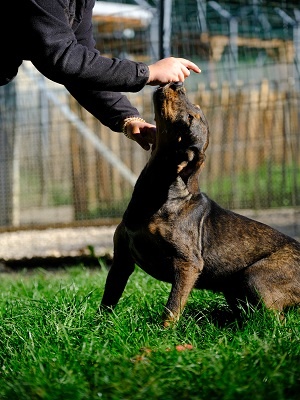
[(149, 78)]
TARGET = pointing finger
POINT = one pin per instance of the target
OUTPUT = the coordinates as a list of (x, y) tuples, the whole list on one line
[(190, 65)]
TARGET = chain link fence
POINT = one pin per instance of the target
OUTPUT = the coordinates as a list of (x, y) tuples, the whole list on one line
[(60, 166)]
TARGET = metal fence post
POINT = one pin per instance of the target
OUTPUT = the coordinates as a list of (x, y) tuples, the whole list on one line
[(165, 28), (7, 140)]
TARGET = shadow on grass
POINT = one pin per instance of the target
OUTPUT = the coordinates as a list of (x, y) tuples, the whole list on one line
[(55, 263), (221, 315)]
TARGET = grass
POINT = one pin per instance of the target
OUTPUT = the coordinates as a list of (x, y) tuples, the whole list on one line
[(53, 347), (268, 186)]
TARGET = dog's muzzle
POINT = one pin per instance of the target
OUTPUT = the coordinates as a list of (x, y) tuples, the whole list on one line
[(166, 91), (170, 85)]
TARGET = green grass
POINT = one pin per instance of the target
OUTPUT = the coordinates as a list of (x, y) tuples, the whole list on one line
[(268, 186), (53, 347)]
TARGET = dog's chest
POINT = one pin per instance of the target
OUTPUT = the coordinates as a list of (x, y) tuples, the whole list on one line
[(159, 243), (153, 251)]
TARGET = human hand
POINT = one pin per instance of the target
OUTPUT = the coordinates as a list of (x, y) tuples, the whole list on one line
[(170, 69), (140, 131)]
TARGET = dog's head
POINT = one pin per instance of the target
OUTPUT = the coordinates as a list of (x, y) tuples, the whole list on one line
[(182, 128)]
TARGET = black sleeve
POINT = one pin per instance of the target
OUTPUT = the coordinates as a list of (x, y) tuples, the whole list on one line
[(109, 107), (67, 55), (64, 52)]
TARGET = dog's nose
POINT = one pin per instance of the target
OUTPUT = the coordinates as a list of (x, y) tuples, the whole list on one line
[(176, 84)]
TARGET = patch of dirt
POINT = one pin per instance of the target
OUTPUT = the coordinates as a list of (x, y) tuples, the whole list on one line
[(64, 246)]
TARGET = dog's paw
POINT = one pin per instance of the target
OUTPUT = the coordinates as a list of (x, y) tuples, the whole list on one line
[(169, 319)]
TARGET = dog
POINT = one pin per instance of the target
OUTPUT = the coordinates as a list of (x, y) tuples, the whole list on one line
[(177, 234)]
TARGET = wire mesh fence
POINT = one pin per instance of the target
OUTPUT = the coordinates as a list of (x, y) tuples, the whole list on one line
[(60, 165), (253, 160)]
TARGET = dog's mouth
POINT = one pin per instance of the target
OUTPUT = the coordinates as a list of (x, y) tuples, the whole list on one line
[(181, 126)]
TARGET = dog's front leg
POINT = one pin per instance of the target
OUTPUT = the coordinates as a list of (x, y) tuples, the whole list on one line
[(186, 276), (116, 281), (122, 267)]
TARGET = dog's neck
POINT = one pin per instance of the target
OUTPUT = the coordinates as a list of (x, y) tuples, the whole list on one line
[(176, 170), (158, 183)]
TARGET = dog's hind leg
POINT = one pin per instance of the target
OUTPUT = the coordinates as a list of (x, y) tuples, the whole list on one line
[(275, 280), (186, 276), (277, 298), (121, 269)]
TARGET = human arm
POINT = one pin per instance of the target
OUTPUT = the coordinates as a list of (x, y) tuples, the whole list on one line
[(65, 53), (63, 50), (110, 107)]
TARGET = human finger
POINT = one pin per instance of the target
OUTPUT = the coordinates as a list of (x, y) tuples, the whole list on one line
[(142, 133), (148, 132), (190, 65), (138, 138), (184, 73), (145, 135)]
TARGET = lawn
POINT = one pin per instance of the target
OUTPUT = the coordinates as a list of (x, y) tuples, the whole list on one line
[(270, 185), (53, 346)]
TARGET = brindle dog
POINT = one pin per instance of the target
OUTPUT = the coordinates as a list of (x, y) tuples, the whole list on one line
[(177, 234)]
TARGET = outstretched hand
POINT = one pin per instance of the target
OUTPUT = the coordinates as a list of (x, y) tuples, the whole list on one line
[(170, 69)]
